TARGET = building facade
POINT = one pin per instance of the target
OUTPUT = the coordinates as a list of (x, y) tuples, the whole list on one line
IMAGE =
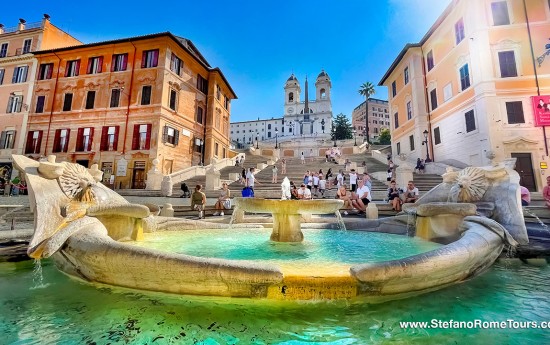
[(378, 117), (123, 103), (17, 74), (468, 85), (301, 119)]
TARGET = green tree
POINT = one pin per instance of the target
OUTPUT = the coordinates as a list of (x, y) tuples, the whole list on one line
[(385, 137), (367, 90), (342, 128)]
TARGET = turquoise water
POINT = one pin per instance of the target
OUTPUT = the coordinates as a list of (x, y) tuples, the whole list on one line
[(66, 311), (322, 250)]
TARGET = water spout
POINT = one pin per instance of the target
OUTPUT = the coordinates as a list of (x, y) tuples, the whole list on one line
[(340, 221)]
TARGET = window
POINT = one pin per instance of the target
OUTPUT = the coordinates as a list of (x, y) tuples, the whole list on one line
[(396, 119), (323, 93), (433, 99), (173, 99), (430, 60), (470, 121), (376, 130), (226, 103), (146, 95), (218, 92), (27, 46), (437, 136), (398, 146), (170, 135), (393, 89), (14, 104), (20, 74), (109, 138), (90, 100), (119, 63), (7, 140), (269, 126), (84, 139), (115, 98), (411, 142), (142, 137), (406, 75), (514, 110), (73, 68), (202, 84), (150, 58), (447, 92), (175, 64), (500, 13), (34, 141), (199, 118), (269, 134), (464, 77), (507, 62), (68, 102), (3, 50), (459, 31), (45, 71), (94, 65), (291, 97), (40, 100), (2, 71), (61, 140), (409, 110), (217, 147)]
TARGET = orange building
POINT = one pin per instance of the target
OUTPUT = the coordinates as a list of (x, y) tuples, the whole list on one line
[(123, 103), (379, 118), (17, 74), (468, 85)]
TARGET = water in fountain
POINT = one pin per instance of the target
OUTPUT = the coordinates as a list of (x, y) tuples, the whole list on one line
[(411, 223), (544, 226), (339, 221), (38, 276)]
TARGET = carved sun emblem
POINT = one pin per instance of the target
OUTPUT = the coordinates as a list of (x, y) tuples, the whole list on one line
[(75, 182), (472, 184)]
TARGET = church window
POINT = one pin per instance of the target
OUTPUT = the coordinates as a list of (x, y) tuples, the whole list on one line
[(323, 94), (291, 97)]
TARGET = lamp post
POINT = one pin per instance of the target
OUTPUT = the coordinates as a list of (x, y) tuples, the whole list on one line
[(276, 135), (355, 136), (425, 142), (323, 125), (257, 140), (334, 134)]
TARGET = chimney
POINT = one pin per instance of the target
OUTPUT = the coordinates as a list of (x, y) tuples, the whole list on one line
[(1, 29), (45, 19), (21, 25)]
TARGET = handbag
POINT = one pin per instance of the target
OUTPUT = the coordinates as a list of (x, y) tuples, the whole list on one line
[(227, 204), (247, 192)]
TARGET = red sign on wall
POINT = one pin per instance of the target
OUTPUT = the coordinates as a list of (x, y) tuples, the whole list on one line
[(541, 109)]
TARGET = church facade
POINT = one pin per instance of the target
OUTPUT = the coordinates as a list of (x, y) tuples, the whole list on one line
[(301, 119)]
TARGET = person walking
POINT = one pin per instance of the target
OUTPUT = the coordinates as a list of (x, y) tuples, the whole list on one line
[(329, 178), (274, 171), (283, 166), (353, 180), (198, 201), (303, 158)]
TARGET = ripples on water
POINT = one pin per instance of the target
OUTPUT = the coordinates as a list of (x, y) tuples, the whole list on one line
[(71, 312)]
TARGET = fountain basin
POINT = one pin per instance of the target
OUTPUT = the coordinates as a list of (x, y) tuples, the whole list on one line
[(287, 214)]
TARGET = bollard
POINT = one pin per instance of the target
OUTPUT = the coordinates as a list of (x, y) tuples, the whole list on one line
[(372, 211), (167, 210)]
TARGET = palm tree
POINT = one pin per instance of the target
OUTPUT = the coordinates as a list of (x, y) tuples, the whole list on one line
[(367, 90)]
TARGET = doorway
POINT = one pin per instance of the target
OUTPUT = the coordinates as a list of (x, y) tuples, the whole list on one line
[(138, 175), (524, 167), (83, 162)]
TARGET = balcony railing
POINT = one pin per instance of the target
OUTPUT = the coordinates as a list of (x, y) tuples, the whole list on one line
[(28, 26)]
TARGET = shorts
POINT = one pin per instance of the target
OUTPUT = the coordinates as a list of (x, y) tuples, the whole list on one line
[(365, 201), (315, 186), (353, 187), (198, 207)]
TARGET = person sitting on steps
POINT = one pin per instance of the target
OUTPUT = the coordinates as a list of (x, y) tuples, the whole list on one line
[(185, 191), (198, 201), (224, 202)]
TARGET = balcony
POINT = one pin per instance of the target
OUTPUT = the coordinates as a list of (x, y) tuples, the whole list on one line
[(28, 26)]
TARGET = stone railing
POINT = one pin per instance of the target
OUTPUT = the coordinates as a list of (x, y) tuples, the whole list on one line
[(379, 156), (169, 181)]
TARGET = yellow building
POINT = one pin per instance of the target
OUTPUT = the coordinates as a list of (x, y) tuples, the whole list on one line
[(468, 84), (17, 74), (123, 103)]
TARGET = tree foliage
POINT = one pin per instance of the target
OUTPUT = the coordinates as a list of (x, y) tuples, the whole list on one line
[(385, 137), (342, 128), (366, 90)]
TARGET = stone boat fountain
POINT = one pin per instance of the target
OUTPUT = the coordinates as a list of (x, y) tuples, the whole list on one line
[(88, 230)]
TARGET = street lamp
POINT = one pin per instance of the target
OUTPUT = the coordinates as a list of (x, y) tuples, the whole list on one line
[(276, 135), (355, 136), (323, 125), (334, 134), (425, 142)]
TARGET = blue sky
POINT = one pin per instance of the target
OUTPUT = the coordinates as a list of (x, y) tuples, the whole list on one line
[(258, 44)]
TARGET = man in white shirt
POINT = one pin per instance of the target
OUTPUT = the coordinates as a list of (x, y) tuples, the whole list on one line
[(322, 185), (411, 194), (316, 183), (250, 178), (353, 180), (363, 196), (340, 179), (304, 193)]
